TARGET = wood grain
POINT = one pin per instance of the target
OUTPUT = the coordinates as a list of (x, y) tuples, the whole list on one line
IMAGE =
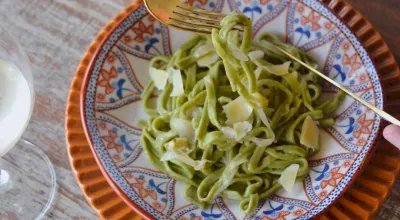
[(56, 33)]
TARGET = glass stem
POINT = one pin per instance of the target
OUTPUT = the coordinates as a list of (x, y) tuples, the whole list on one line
[(5, 176), (5, 182)]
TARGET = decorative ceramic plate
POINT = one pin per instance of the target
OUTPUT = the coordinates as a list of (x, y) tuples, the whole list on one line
[(111, 108)]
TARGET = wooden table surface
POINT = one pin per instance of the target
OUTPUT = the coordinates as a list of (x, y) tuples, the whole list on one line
[(56, 33)]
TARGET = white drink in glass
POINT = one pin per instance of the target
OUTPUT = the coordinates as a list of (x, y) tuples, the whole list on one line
[(15, 105), (27, 176)]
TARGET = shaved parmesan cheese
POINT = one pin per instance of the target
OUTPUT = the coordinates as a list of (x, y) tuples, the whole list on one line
[(258, 72), (238, 132), (208, 60), (159, 77), (180, 156), (176, 80), (203, 49), (261, 114), (229, 132), (238, 110), (182, 144), (309, 136), (260, 100), (242, 129), (288, 177), (279, 70), (179, 144), (256, 54), (196, 112), (237, 53), (178, 149), (206, 55), (183, 128), (260, 142)]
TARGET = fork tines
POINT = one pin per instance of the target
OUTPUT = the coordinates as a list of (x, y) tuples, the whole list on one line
[(194, 19)]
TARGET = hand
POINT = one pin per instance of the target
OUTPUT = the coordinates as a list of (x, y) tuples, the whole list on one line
[(392, 134)]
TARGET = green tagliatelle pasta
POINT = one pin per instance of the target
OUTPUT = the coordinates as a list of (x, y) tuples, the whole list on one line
[(232, 116)]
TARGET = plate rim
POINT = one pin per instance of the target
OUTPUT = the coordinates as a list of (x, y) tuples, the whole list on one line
[(74, 127), (117, 22), (334, 6)]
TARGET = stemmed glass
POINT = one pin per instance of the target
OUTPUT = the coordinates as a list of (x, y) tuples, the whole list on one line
[(27, 177)]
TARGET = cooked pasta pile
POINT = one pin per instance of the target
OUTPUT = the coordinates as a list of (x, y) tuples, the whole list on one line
[(233, 117)]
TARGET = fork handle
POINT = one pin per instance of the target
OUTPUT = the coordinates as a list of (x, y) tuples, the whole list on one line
[(380, 112)]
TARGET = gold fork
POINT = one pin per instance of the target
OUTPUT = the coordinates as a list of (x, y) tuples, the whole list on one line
[(177, 14)]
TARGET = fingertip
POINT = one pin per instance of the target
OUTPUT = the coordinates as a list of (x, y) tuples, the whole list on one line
[(391, 130), (392, 134)]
